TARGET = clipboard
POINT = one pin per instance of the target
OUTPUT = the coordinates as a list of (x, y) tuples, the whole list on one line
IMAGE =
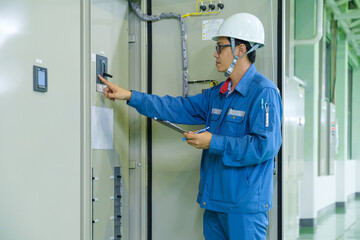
[(170, 125)]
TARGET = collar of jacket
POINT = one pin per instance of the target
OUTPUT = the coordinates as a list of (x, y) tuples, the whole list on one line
[(244, 83)]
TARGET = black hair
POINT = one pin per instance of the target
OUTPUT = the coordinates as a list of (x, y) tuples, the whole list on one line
[(252, 55)]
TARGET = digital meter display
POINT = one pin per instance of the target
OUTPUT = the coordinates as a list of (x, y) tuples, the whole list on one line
[(40, 79)]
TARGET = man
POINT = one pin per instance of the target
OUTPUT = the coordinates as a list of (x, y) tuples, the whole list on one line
[(244, 115)]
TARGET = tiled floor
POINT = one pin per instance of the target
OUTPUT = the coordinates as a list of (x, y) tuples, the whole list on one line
[(344, 223)]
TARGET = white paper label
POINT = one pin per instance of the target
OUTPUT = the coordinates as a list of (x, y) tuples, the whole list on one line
[(100, 87), (210, 28), (102, 128)]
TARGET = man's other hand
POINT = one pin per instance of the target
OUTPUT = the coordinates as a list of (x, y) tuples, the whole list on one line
[(200, 140)]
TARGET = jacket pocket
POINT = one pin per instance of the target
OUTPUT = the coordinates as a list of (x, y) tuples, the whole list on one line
[(234, 123), (229, 184), (214, 120)]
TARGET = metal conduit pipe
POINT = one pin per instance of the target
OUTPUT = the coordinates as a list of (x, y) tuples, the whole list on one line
[(319, 27), (146, 17)]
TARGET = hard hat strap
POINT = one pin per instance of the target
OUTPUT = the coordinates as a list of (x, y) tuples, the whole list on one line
[(231, 67), (256, 46)]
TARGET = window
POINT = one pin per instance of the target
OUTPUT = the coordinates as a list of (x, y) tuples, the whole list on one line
[(350, 83), (327, 103), (327, 93)]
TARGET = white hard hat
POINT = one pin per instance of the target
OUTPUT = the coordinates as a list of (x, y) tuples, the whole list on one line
[(243, 26)]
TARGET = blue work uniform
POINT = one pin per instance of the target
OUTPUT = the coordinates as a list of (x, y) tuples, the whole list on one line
[(237, 169)]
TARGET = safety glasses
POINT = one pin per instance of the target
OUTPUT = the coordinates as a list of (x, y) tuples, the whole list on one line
[(219, 47)]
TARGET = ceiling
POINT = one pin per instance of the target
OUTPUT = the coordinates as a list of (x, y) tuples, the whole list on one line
[(347, 13)]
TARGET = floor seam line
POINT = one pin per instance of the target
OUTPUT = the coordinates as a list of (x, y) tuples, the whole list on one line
[(357, 220)]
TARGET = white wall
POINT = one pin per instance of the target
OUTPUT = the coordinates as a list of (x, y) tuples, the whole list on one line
[(340, 167), (325, 191), (357, 179), (307, 207), (325, 187), (350, 177), (320, 191), (345, 179)]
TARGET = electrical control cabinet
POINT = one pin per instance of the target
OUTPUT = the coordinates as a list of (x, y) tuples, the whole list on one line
[(110, 55), (41, 123)]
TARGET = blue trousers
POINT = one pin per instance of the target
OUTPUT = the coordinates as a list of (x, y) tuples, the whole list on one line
[(240, 226)]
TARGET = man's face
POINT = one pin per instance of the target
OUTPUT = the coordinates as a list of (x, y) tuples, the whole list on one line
[(225, 57)]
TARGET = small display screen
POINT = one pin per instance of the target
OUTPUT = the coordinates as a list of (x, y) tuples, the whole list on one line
[(41, 78)]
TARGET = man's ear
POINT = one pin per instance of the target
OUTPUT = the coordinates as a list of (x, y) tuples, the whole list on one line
[(240, 50)]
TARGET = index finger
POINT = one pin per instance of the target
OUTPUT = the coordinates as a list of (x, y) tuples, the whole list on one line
[(107, 83)]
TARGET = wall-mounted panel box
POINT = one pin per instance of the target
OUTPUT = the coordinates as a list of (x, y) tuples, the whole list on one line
[(101, 68)]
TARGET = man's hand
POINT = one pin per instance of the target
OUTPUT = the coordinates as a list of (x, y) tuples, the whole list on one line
[(200, 140), (113, 91)]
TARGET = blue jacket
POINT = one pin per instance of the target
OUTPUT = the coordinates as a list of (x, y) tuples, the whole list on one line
[(237, 170)]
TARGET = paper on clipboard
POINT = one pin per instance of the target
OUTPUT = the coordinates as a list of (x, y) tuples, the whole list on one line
[(170, 125)]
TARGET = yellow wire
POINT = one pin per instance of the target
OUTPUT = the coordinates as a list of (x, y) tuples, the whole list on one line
[(197, 6), (195, 14), (197, 11)]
